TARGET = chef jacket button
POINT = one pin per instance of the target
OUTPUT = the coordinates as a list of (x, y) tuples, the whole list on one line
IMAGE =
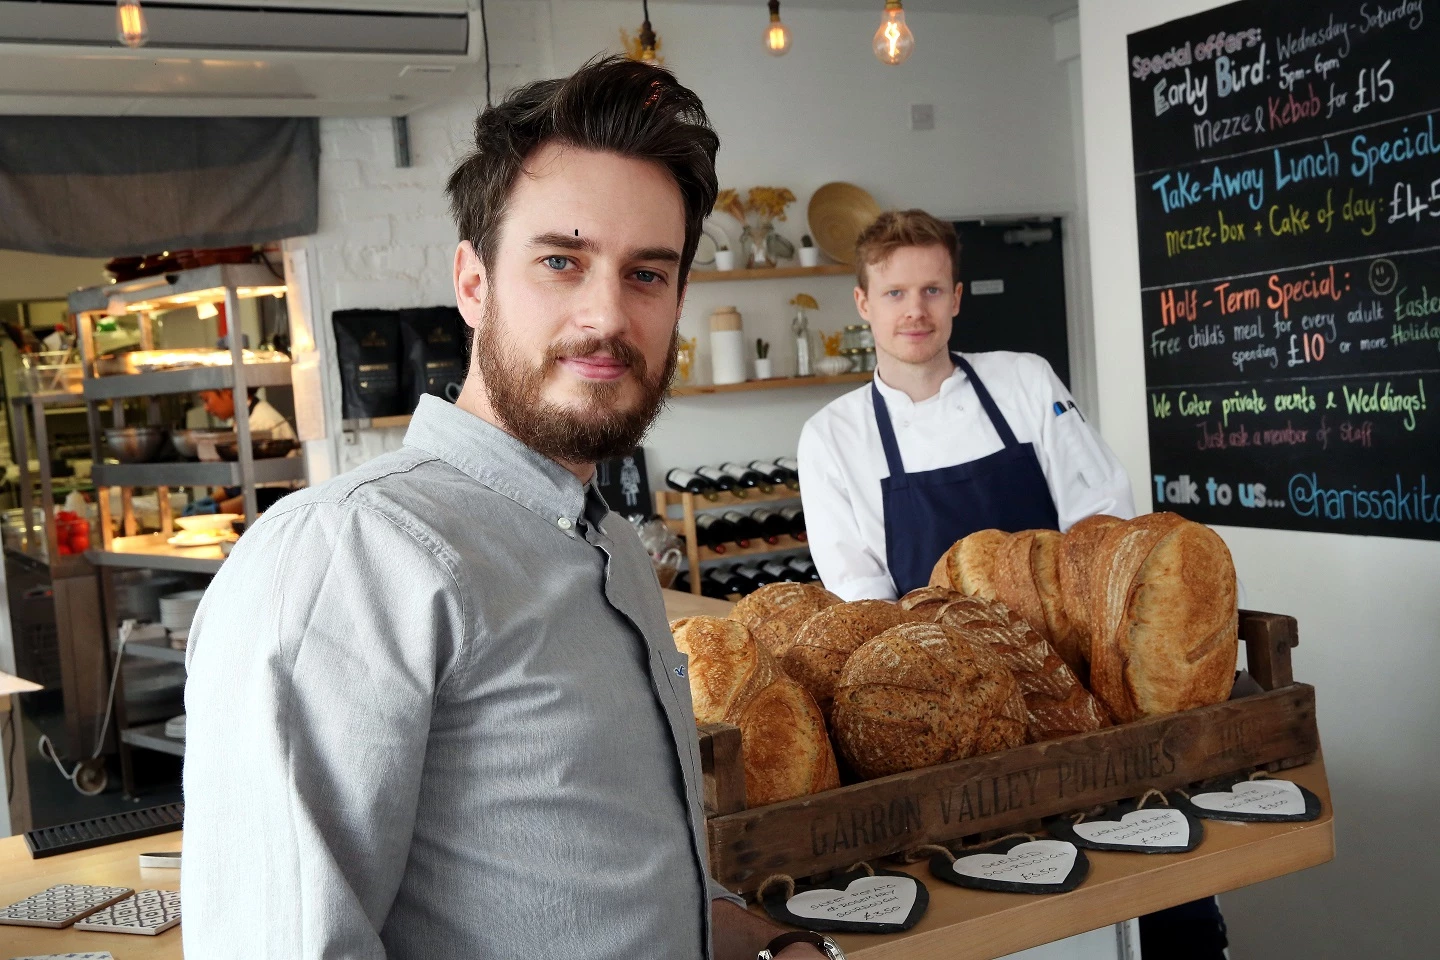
[(565, 523)]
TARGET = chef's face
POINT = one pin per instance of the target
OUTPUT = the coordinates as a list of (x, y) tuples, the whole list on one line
[(576, 320), (910, 302)]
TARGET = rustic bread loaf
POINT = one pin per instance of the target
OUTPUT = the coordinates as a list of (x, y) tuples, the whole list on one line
[(828, 639), (1027, 580), (775, 611), (927, 601), (1166, 628), (733, 679), (1077, 575), (968, 566), (921, 694), (1056, 703)]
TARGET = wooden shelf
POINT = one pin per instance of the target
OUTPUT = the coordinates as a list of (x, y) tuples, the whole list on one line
[(733, 551), (376, 423), (774, 383), (773, 273), (675, 498)]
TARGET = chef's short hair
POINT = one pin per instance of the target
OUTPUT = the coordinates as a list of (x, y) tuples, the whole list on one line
[(895, 229), (611, 104)]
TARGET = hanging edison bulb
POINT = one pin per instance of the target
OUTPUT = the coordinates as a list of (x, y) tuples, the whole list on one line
[(777, 35), (648, 40), (130, 28), (893, 40)]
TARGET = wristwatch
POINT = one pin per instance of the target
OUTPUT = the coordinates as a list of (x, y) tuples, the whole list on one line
[(827, 946)]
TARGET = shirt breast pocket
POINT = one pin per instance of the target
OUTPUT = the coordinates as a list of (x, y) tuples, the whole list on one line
[(676, 690)]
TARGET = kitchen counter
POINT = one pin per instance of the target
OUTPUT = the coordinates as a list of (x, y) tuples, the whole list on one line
[(960, 924)]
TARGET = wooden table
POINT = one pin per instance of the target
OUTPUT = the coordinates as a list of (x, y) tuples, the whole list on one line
[(960, 924)]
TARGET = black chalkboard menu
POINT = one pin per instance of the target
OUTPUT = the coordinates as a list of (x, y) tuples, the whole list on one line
[(1287, 182)]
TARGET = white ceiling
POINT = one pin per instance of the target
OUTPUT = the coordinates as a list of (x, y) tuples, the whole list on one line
[(1016, 8)]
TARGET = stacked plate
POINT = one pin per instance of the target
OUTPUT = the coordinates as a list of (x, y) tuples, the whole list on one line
[(175, 727), (177, 610)]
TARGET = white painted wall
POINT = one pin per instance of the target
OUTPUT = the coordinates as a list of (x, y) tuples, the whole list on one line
[(36, 276), (827, 111), (1369, 607)]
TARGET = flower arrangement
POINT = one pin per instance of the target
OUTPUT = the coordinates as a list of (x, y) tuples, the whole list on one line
[(757, 214)]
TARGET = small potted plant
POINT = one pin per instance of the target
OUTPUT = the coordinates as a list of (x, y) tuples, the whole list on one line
[(809, 253), (762, 360), (724, 257)]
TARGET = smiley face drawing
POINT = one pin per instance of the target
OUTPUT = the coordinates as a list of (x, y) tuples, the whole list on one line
[(1383, 276)]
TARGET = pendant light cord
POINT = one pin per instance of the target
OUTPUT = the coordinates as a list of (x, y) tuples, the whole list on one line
[(485, 37)]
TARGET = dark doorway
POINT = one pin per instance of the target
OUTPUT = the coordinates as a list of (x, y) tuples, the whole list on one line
[(1014, 276)]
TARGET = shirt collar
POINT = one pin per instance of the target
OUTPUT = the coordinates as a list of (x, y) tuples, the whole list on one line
[(898, 399), (489, 455)]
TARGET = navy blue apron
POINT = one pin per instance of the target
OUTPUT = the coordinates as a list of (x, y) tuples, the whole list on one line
[(925, 513)]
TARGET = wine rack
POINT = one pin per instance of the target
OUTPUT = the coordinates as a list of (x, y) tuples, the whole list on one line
[(689, 504)]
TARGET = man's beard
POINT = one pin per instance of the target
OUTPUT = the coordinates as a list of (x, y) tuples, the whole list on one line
[(594, 431)]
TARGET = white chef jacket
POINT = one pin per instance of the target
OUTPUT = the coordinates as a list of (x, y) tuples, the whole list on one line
[(842, 461), (264, 418)]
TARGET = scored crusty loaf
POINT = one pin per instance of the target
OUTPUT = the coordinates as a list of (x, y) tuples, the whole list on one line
[(783, 743), (1027, 580), (969, 565), (921, 694), (775, 611), (828, 639), (1166, 627), (927, 601), (1056, 703), (1077, 575)]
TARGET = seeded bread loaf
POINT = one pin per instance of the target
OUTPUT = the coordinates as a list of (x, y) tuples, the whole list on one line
[(777, 610), (783, 742), (921, 694), (828, 639), (927, 601)]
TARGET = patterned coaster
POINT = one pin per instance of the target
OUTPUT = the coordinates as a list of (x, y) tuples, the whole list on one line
[(147, 913), (61, 905)]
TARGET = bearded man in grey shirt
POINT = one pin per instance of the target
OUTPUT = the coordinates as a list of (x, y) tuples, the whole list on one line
[(434, 708)]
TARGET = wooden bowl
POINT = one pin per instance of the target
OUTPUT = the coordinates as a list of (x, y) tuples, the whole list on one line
[(837, 214)]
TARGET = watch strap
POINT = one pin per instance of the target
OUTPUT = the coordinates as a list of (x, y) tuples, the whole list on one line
[(827, 946)]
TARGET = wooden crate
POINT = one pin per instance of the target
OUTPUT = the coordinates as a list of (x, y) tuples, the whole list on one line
[(999, 791)]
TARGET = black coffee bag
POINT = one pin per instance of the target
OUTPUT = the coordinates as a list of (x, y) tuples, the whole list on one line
[(368, 345), (432, 343)]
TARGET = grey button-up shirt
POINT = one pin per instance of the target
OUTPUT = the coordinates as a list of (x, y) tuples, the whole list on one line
[(434, 711)]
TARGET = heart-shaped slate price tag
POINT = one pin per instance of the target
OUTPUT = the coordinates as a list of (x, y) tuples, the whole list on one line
[(854, 902), (1017, 866), (1125, 829), (1257, 801)]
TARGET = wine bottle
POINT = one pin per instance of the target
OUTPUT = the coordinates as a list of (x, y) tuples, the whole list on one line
[(722, 480), (688, 482), (681, 582), (789, 463), (746, 478), (805, 567), (723, 584), (795, 520), (777, 474), (745, 529), (753, 577), (772, 525), (780, 571), (713, 531)]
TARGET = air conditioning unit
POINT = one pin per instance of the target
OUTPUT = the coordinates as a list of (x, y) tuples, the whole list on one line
[(233, 58)]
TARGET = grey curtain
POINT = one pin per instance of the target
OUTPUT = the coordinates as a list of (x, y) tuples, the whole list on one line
[(117, 186)]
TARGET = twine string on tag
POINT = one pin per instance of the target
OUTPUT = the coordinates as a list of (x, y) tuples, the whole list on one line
[(1148, 795), (1258, 775), (862, 865), (777, 878), (918, 853), (991, 843)]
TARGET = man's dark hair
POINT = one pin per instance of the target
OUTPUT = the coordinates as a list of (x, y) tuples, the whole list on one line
[(612, 104)]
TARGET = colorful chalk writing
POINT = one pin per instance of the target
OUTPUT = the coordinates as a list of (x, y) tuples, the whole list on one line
[(1287, 185)]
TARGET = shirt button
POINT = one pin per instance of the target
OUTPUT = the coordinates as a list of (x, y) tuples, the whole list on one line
[(565, 523)]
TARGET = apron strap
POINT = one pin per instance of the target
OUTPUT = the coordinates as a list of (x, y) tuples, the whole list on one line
[(997, 419), (887, 434)]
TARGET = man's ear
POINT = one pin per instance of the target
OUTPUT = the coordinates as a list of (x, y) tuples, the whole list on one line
[(862, 303), (959, 291), (471, 283)]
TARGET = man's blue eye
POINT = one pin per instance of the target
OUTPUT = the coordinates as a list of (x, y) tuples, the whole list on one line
[(647, 276), (557, 262)]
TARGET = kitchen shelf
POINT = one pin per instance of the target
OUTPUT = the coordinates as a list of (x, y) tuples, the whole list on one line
[(375, 423), (205, 474), (774, 383), (200, 285), (726, 499), (151, 552), (733, 551), (772, 273), (154, 651), (188, 380), (151, 736)]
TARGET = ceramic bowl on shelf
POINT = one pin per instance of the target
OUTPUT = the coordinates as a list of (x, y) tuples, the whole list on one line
[(208, 522), (833, 366)]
